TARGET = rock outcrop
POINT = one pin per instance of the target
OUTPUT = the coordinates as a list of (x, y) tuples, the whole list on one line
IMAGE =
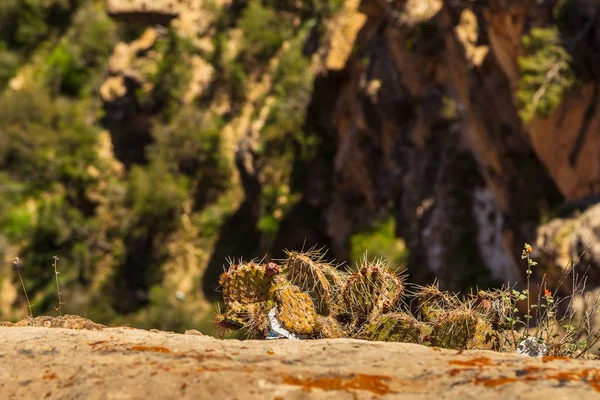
[(134, 364), (419, 105), (437, 134), (569, 246)]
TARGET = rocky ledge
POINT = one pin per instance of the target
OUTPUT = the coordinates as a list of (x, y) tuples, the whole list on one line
[(42, 361)]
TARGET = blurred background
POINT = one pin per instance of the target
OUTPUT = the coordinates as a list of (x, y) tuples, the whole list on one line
[(145, 142)]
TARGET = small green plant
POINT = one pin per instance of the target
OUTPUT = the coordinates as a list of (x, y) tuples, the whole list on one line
[(565, 330), (546, 73), (18, 267), (379, 241), (264, 32), (530, 263)]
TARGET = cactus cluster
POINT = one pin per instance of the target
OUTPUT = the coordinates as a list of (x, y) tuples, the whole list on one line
[(315, 299)]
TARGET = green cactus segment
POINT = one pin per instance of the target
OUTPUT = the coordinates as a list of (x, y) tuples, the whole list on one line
[(330, 328), (463, 328), (246, 283), (296, 310), (433, 302), (395, 327), (374, 289), (335, 277), (250, 318), (310, 277), (258, 325)]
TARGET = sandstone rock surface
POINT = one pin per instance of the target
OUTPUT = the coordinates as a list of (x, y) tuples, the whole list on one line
[(126, 363)]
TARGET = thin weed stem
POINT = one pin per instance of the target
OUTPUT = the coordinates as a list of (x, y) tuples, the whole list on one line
[(527, 249), (18, 266), (56, 273)]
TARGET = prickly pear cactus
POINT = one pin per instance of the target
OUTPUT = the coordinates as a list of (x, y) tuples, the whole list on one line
[(395, 327), (248, 282), (462, 328), (330, 328), (433, 302), (374, 289), (295, 308), (312, 299), (310, 276)]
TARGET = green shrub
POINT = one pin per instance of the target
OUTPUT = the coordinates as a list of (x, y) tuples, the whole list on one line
[(156, 196), (16, 223), (192, 143), (9, 62), (292, 87), (238, 79), (276, 202), (26, 23), (379, 242), (283, 138), (86, 48), (546, 73), (310, 8), (174, 72), (264, 32), (45, 142)]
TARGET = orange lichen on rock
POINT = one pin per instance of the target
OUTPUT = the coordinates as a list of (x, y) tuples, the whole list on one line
[(554, 358), (489, 382), (456, 371), (475, 362), (372, 383), (154, 349), (590, 376)]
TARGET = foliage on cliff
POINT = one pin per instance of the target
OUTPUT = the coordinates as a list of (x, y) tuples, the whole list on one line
[(144, 149), (135, 220)]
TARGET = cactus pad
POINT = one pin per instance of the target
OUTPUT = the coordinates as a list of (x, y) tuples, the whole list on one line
[(249, 318), (247, 282), (330, 328), (495, 306), (295, 309), (374, 289), (395, 327), (310, 277), (462, 328), (433, 302)]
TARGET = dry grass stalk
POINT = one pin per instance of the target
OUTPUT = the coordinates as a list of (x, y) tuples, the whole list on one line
[(18, 266)]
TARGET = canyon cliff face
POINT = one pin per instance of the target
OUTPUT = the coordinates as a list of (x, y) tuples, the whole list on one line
[(438, 134)]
